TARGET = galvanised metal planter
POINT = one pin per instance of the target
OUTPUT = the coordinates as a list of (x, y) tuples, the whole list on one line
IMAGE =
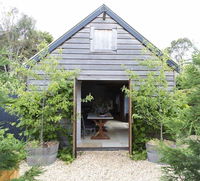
[(42, 156), (153, 155)]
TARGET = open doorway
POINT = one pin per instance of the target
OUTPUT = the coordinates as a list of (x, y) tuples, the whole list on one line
[(110, 101)]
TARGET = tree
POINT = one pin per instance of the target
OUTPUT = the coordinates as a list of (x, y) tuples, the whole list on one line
[(181, 50), (191, 81), (9, 80), (155, 107), (183, 161), (19, 35)]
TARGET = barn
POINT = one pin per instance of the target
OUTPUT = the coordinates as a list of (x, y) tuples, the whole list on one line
[(99, 45)]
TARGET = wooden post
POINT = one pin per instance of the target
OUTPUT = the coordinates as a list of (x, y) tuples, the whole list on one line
[(130, 122), (74, 118)]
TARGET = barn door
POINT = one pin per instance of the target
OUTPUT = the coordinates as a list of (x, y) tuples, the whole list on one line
[(74, 117), (130, 122)]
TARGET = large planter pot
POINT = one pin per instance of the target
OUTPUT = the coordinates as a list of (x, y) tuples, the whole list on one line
[(42, 156), (6, 175), (153, 154)]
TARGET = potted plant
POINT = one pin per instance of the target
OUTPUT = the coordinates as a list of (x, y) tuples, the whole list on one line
[(40, 111), (172, 118), (161, 101), (152, 105), (11, 153)]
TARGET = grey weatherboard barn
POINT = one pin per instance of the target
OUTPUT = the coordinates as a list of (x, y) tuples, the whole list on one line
[(81, 49)]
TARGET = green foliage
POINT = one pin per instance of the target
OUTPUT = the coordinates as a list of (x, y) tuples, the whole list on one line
[(6, 78), (192, 82), (156, 110), (189, 82), (66, 155), (40, 111), (182, 162), (30, 174), (11, 151), (150, 104), (11, 78), (88, 98), (181, 50), (175, 123), (139, 155), (19, 35)]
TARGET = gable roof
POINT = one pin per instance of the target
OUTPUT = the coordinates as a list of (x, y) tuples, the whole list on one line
[(104, 9)]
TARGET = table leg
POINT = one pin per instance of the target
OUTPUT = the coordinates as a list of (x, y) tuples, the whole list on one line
[(100, 134)]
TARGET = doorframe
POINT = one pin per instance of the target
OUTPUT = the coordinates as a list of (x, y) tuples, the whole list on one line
[(75, 117), (74, 142), (130, 120)]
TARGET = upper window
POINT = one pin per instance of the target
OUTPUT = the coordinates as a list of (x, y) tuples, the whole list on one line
[(103, 40)]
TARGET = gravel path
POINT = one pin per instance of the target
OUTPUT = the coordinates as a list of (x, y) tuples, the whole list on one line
[(100, 166)]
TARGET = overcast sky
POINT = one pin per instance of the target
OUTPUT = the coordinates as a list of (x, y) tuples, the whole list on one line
[(160, 21)]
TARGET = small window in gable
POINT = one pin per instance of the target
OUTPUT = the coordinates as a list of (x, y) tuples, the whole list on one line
[(103, 40)]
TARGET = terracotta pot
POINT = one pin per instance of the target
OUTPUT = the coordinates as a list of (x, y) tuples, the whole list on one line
[(6, 175)]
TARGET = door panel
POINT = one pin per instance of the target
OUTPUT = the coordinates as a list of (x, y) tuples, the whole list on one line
[(130, 122), (74, 117)]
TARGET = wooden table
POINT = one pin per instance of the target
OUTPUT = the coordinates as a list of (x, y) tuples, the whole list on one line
[(100, 122)]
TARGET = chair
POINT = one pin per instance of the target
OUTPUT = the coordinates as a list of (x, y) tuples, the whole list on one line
[(87, 129)]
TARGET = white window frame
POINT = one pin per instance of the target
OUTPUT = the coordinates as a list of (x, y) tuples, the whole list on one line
[(114, 39)]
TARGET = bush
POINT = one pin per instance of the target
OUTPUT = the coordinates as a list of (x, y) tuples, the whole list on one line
[(157, 111), (139, 155), (11, 151), (183, 163), (30, 174), (40, 111), (66, 155)]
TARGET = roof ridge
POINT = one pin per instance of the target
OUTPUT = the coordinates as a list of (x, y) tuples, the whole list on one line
[(103, 8)]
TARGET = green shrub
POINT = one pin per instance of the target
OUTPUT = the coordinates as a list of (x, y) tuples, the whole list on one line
[(43, 110), (11, 151), (30, 174), (139, 155), (66, 155), (183, 163), (40, 111), (156, 110)]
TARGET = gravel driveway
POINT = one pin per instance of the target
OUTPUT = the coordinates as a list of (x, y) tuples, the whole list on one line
[(100, 166)]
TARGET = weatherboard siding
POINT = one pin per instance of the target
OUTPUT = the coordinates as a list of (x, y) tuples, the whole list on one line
[(76, 54)]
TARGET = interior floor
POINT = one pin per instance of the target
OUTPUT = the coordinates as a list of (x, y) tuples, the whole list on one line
[(116, 130)]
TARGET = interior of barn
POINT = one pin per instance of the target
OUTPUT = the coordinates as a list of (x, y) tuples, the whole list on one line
[(110, 104)]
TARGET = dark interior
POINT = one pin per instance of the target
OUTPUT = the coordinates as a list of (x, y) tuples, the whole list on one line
[(108, 97)]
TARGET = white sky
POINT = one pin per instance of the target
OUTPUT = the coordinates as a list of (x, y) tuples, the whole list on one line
[(160, 21)]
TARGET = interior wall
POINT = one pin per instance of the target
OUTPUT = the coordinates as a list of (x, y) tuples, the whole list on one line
[(106, 92)]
